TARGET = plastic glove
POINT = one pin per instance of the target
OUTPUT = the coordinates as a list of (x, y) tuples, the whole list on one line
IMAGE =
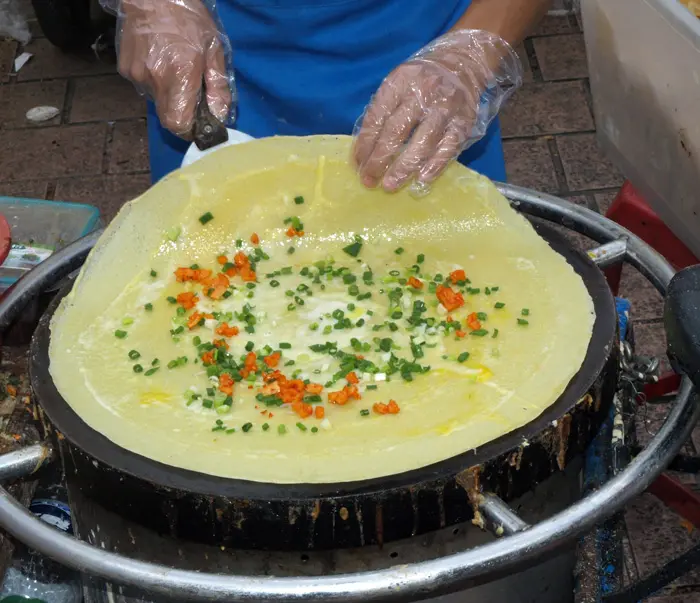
[(167, 48), (433, 107)]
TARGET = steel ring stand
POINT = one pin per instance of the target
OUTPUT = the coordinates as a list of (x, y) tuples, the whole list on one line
[(458, 571)]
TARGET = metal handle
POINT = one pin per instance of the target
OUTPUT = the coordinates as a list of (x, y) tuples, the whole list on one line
[(207, 131), (413, 581)]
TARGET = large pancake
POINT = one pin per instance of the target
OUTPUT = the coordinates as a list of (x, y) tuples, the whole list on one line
[(507, 381)]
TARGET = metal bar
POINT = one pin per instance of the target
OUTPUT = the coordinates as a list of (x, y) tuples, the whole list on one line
[(24, 461), (415, 581), (500, 515), (609, 254), (651, 264)]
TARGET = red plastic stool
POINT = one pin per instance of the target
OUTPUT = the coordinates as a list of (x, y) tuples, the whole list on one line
[(630, 210)]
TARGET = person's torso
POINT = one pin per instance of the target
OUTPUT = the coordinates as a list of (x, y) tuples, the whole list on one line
[(311, 66)]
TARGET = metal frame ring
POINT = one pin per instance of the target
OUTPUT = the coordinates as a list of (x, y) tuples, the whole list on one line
[(414, 581)]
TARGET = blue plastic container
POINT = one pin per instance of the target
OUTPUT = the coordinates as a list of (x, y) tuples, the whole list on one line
[(38, 229)]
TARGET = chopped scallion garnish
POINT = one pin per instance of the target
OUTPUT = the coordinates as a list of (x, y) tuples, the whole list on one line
[(207, 217)]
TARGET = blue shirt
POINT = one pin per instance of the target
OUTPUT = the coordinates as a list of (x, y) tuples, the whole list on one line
[(311, 66)]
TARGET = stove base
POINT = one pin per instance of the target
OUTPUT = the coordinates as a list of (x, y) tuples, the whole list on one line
[(550, 581)]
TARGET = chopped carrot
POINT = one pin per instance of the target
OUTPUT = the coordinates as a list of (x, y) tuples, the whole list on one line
[(450, 299), (303, 409), (187, 300), (272, 360), (12, 390), (342, 397), (460, 333), (240, 260), (222, 259), (247, 274), (226, 383), (415, 283), (194, 320), (255, 239), (227, 331), (473, 322), (208, 357), (217, 286), (314, 388), (351, 378), (449, 318), (320, 412), (220, 343), (291, 232), (457, 276), (386, 409)]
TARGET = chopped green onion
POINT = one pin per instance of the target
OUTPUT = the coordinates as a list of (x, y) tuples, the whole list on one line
[(364, 412), (523, 322), (152, 371), (398, 250), (134, 355), (285, 346), (463, 357), (495, 334), (171, 299), (204, 218), (499, 305), (353, 249), (247, 427), (274, 283), (291, 250), (479, 333), (120, 334), (301, 426), (249, 346), (154, 274), (314, 429), (299, 200), (281, 429), (148, 307), (481, 315), (371, 387), (138, 368), (525, 312), (265, 426), (421, 258)]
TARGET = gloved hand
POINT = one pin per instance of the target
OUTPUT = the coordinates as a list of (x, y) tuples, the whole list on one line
[(167, 48), (433, 107)]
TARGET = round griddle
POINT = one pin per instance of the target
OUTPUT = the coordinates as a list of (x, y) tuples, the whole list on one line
[(203, 507)]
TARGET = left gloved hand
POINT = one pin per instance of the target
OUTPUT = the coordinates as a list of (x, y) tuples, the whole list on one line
[(433, 107)]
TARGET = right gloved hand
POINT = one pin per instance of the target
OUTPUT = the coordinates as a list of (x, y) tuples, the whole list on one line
[(167, 48)]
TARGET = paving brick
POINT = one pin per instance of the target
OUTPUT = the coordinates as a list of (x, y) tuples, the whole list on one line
[(108, 97), (584, 164), (529, 164), (561, 57), (605, 200), (8, 51), (127, 151), (551, 25), (35, 189), (527, 70), (108, 193), (17, 99), (650, 340), (44, 153), (647, 302), (657, 535), (551, 108), (48, 62)]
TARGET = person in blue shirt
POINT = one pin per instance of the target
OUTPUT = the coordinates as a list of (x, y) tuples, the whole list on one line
[(419, 82)]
